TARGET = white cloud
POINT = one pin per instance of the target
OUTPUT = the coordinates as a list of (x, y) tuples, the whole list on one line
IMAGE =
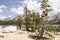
[(2, 17), (9, 16), (19, 10), (33, 5), (1, 10), (55, 5), (13, 9), (2, 7)]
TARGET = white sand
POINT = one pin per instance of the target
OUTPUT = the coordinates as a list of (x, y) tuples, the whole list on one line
[(12, 36), (57, 37), (15, 36)]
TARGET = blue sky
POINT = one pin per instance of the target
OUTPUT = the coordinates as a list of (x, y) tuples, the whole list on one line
[(10, 8), (9, 4)]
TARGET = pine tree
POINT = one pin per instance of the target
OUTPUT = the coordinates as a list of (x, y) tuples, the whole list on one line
[(27, 18), (19, 21), (46, 8)]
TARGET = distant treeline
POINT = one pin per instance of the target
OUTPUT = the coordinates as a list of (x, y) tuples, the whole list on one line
[(9, 22)]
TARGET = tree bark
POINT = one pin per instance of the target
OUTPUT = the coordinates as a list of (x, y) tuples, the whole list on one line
[(42, 31), (20, 27)]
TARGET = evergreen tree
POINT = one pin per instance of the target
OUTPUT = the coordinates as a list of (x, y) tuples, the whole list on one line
[(19, 21), (46, 8)]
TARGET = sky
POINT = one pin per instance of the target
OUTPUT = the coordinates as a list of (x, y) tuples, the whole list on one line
[(9, 8)]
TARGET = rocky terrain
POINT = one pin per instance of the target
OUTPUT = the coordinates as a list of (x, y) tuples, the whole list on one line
[(54, 19)]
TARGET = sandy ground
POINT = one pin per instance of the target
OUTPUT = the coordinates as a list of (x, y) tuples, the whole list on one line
[(25, 36), (57, 37), (12, 36)]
